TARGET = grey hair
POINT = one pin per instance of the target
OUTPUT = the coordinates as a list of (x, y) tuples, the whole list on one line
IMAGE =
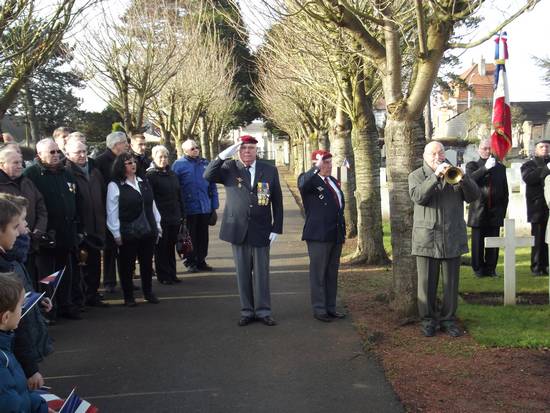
[(5, 152), (114, 138), (43, 142), (159, 148), (78, 136)]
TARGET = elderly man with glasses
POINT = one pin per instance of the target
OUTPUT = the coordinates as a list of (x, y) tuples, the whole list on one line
[(201, 201), (58, 188)]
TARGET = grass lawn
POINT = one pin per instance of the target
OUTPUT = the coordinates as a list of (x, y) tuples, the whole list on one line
[(499, 326)]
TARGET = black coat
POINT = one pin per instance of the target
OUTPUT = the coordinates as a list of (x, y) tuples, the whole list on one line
[(490, 209), (324, 218), (58, 187), (167, 194), (242, 211), (142, 164), (104, 162), (533, 173), (90, 204)]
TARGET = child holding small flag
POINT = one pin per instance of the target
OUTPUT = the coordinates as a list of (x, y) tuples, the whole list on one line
[(14, 394), (32, 342)]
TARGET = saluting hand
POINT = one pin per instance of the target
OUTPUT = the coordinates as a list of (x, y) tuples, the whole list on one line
[(490, 162), (229, 152)]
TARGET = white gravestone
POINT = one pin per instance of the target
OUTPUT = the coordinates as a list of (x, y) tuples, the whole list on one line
[(509, 242)]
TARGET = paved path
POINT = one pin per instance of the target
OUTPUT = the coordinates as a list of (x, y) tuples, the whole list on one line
[(187, 354)]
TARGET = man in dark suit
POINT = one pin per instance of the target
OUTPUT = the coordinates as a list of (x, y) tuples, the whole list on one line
[(486, 214), (533, 173), (252, 218), (324, 231)]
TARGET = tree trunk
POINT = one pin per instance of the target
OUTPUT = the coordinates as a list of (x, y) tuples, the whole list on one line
[(428, 125), (205, 144), (324, 142), (342, 149), (370, 234), (404, 144), (31, 113)]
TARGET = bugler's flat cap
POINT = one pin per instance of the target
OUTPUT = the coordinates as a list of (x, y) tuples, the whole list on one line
[(320, 154), (248, 139)]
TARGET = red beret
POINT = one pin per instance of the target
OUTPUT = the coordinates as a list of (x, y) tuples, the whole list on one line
[(248, 139), (322, 153)]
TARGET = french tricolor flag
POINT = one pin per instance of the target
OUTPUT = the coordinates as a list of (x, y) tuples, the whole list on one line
[(72, 404), (501, 138), (53, 280)]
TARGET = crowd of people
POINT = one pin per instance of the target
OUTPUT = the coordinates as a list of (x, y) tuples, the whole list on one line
[(66, 213)]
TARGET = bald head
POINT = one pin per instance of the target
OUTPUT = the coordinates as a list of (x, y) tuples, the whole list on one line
[(434, 154)]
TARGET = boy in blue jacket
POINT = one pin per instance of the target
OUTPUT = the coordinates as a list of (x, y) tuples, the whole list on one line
[(14, 394)]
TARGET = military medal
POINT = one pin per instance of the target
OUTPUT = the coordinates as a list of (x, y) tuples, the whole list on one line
[(263, 193), (239, 182)]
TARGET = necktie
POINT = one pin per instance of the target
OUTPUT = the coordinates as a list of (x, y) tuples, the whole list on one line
[(332, 191), (248, 175)]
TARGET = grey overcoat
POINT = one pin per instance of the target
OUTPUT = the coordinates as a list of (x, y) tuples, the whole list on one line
[(439, 230)]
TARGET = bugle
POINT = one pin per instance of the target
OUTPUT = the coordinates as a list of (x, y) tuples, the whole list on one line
[(453, 174)]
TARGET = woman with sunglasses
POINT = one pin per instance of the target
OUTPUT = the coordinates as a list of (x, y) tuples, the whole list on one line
[(134, 221)]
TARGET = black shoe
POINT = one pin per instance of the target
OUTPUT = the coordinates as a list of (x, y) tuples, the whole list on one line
[(96, 302), (130, 302), (268, 321), (71, 315), (192, 269), (151, 298), (204, 267), (428, 330), (166, 282), (322, 317), (538, 273), (176, 280), (244, 321), (452, 330), (110, 289), (336, 314)]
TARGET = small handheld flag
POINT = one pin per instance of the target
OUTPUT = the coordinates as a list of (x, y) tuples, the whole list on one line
[(345, 163), (73, 404), (53, 280), (31, 298), (501, 138)]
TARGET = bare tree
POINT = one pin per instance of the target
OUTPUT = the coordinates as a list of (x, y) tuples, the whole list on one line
[(28, 38)]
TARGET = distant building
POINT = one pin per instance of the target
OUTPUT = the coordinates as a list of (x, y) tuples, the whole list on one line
[(269, 146)]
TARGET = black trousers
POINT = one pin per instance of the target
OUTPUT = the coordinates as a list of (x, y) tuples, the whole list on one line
[(127, 254), (69, 296), (197, 226), (165, 253), (92, 272), (539, 252), (484, 260), (109, 261)]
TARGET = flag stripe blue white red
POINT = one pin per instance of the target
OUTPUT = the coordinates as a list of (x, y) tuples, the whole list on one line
[(73, 403), (31, 298), (501, 138)]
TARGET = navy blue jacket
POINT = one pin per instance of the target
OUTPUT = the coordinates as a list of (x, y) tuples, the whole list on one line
[(244, 219), (324, 218), (15, 396), (198, 195)]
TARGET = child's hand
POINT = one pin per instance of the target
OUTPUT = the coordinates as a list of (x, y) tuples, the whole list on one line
[(46, 304), (35, 381)]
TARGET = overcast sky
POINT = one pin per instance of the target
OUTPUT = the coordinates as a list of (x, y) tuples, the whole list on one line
[(528, 36)]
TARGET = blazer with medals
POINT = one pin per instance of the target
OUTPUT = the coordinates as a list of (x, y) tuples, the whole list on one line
[(250, 213), (324, 217)]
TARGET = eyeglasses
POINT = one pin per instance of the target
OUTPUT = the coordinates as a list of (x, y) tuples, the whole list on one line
[(195, 147), (53, 152), (130, 162)]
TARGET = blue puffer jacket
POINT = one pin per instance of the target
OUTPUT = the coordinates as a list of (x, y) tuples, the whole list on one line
[(15, 396), (199, 195)]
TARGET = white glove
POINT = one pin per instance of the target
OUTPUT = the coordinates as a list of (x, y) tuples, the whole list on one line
[(439, 170), (229, 152), (548, 165), (272, 237), (318, 161), (490, 162)]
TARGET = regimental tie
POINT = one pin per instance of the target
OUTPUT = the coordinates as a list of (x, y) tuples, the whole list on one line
[(333, 192), (248, 175)]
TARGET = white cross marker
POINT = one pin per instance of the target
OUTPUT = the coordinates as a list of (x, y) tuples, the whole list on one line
[(509, 242)]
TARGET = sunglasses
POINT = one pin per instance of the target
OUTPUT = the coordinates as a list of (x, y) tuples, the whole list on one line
[(129, 162), (195, 147), (53, 152)]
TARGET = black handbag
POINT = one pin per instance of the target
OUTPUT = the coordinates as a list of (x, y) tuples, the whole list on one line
[(213, 218), (138, 229), (184, 245)]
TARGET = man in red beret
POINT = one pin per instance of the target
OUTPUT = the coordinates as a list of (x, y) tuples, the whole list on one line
[(324, 232), (252, 218)]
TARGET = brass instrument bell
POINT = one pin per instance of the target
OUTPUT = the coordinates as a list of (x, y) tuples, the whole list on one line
[(453, 175)]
